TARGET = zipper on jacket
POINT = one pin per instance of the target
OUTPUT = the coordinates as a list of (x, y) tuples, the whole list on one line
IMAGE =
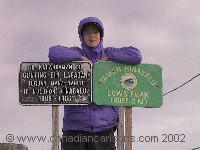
[(91, 128)]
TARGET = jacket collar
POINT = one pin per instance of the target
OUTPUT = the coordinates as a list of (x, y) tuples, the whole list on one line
[(97, 48)]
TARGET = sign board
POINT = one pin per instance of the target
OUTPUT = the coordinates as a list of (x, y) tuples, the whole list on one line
[(119, 84), (55, 84)]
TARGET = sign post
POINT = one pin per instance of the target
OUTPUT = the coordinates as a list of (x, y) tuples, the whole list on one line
[(55, 127), (128, 128), (44, 83), (118, 84), (114, 84), (120, 129)]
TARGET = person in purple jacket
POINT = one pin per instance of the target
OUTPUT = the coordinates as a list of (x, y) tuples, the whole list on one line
[(96, 121)]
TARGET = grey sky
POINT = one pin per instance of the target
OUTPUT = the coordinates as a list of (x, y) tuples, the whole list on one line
[(167, 33)]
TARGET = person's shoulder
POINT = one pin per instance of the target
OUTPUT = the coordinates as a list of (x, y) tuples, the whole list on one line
[(60, 47), (108, 48), (124, 47), (75, 48)]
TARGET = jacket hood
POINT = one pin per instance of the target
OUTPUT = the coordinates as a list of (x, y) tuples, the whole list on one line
[(96, 21)]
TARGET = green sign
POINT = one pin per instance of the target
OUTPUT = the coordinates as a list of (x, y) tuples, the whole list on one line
[(119, 84)]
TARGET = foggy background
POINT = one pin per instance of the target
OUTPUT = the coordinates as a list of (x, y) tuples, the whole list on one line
[(167, 32)]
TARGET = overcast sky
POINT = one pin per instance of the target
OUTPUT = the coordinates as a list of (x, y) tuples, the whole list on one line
[(166, 31)]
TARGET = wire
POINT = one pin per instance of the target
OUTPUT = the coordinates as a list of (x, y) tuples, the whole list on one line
[(178, 88), (181, 85), (195, 148)]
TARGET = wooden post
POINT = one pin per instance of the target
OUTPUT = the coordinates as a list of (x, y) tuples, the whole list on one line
[(55, 127), (128, 128), (120, 130)]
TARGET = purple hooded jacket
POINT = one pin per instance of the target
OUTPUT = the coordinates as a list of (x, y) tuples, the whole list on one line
[(92, 117)]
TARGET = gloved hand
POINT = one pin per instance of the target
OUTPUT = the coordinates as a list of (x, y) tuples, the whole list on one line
[(105, 58), (85, 59)]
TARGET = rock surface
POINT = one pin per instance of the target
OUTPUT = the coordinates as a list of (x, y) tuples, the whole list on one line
[(12, 146)]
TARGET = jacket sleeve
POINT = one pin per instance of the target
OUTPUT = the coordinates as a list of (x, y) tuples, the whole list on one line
[(61, 54), (129, 55)]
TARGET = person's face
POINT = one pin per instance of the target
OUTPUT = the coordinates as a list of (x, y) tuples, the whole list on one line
[(91, 36)]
